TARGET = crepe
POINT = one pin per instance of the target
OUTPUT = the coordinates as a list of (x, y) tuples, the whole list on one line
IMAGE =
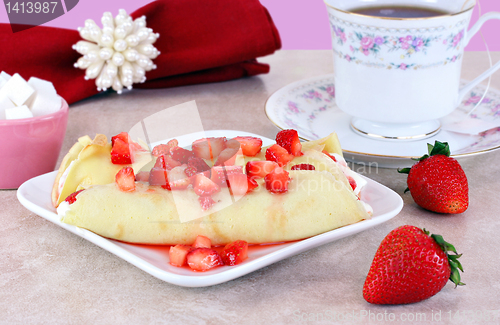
[(88, 163), (317, 201), (149, 215)]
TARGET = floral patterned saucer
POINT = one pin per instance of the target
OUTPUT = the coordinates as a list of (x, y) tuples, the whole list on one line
[(309, 107)]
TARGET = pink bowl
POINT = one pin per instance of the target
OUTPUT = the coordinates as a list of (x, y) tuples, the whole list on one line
[(30, 147)]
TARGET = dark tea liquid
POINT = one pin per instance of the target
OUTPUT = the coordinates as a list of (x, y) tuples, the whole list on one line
[(399, 12)]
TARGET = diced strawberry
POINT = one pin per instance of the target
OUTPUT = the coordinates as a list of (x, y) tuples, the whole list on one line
[(289, 139), (142, 176), (277, 181), (260, 169), (208, 148), (166, 162), (203, 259), (120, 152), (164, 149), (201, 149), (198, 163), (216, 146), (122, 136), (72, 197), (190, 171), (159, 176), (206, 202), (328, 154), (220, 173), (178, 253), (303, 167), (173, 143), (202, 241), (238, 184), (228, 156), (352, 182), (181, 155), (278, 154), (160, 150), (177, 179), (250, 145), (125, 179), (203, 186), (252, 184), (235, 252)]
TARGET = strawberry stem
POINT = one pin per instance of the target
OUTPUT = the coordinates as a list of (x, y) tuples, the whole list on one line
[(455, 264)]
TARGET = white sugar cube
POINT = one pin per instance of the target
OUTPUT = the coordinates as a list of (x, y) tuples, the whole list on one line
[(17, 89), (45, 99), (18, 112), (3, 81), (5, 75), (5, 103)]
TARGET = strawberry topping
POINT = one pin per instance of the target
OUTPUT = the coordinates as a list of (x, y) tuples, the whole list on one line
[(206, 202), (303, 167), (289, 139), (203, 259), (250, 145), (352, 182), (238, 184), (125, 179), (178, 253), (72, 197), (219, 174), (181, 155), (202, 241), (190, 171), (208, 148), (122, 136), (142, 176), (328, 154), (204, 186), (278, 154), (260, 168), (120, 152), (177, 178), (198, 163), (277, 180), (235, 252)]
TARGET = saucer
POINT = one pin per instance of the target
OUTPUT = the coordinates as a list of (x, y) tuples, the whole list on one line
[(308, 106)]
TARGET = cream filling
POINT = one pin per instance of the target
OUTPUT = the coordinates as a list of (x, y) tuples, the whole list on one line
[(62, 209)]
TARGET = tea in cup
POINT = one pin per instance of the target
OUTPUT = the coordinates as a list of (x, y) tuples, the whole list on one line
[(397, 63)]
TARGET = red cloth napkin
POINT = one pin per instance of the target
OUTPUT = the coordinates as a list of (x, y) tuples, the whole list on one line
[(200, 41)]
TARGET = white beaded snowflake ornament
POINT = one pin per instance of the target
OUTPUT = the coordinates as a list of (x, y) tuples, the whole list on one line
[(119, 54)]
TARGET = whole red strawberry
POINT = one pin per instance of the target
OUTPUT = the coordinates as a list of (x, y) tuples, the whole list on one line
[(437, 182), (410, 266)]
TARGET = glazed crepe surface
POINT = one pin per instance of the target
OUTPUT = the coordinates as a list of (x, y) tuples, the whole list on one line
[(315, 203)]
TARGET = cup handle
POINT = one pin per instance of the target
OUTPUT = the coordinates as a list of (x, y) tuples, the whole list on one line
[(477, 26)]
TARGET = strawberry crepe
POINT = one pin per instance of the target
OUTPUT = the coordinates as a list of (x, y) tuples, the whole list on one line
[(224, 189)]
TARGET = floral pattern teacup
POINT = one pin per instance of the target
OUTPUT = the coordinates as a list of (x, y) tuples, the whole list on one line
[(400, 74)]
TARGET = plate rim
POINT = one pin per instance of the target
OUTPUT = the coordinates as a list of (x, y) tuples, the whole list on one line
[(289, 249)]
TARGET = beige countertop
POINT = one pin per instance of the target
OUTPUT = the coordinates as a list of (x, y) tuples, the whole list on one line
[(51, 276)]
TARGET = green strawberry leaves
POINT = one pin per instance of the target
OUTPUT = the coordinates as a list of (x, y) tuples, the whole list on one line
[(455, 264), (439, 148)]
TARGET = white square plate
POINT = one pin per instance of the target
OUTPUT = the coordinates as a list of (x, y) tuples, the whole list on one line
[(35, 195)]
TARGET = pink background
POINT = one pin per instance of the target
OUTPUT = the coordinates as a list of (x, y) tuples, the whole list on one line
[(303, 24)]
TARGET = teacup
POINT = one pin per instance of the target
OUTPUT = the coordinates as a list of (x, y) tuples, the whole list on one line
[(398, 76)]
